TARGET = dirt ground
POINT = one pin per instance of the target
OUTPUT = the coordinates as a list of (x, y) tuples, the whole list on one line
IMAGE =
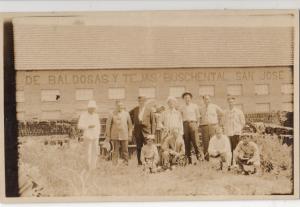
[(60, 171)]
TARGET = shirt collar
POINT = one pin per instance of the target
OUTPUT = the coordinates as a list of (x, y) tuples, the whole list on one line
[(172, 110), (233, 109)]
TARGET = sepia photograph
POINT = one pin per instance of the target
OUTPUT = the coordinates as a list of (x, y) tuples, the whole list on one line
[(150, 105)]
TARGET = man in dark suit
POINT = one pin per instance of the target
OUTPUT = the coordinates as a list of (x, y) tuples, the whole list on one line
[(142, 119)]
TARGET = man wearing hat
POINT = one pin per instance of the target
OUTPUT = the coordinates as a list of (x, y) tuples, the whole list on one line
[(118, 130), (172, 118), (143, 121), (234, 122), (247, 155), (190, 116), (90, 124), (211, 114)]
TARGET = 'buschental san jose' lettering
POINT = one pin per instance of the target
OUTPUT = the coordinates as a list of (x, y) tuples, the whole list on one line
[(194, 76), (272, 75)]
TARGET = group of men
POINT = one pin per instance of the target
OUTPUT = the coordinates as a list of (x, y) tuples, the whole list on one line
[(177, 127)]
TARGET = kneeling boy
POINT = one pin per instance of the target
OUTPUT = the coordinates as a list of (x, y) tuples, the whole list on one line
[(219, 149), (246, 155), (149, 155)]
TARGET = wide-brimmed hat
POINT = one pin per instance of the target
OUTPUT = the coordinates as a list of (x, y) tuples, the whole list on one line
[(230, 98), (141, 97), (171, 98), (92, 104), (187, 93)]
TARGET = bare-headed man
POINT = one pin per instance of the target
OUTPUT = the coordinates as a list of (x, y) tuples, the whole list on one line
[(210, 118), (190, 116)]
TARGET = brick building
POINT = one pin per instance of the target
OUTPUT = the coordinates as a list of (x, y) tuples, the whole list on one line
[(157, 54)]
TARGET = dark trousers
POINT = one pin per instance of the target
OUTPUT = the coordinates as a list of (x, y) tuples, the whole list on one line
[(207, 132), (191, 136), (139, 141), (123, 145), (234, 140)]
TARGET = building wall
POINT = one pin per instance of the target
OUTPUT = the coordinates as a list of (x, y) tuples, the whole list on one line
[(49, 94), (124, 54)]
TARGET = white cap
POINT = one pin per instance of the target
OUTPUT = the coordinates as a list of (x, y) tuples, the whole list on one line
[(92, 104), (171, 98)]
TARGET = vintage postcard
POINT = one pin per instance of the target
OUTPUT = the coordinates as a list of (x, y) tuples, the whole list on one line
[(150, 106)]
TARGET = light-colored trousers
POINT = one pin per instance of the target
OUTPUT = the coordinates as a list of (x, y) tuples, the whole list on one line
[(91, 149), (123, 144), (224, 158)]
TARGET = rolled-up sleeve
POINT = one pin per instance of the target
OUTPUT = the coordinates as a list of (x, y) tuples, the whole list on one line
[(242, 119)]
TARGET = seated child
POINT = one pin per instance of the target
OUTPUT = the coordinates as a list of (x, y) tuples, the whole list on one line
[(149, 155)]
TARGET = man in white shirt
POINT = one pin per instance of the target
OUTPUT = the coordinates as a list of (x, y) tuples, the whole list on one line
[(210, 116), (171, 118), (190, 116), (234, 122), (219, 149), (90, 124)]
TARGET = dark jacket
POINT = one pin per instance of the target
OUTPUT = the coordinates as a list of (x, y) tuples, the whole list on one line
[(147, 124)]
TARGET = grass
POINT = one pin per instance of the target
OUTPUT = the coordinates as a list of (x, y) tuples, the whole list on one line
[(60, 171)]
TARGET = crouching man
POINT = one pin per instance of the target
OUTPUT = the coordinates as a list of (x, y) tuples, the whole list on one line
[(173, 150), (149, 155), (246, 156), (219, 150)]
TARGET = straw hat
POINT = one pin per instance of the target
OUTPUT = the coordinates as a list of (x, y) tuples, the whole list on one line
[(142, 97), (92, 104), (171, 98), (230, 97)]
